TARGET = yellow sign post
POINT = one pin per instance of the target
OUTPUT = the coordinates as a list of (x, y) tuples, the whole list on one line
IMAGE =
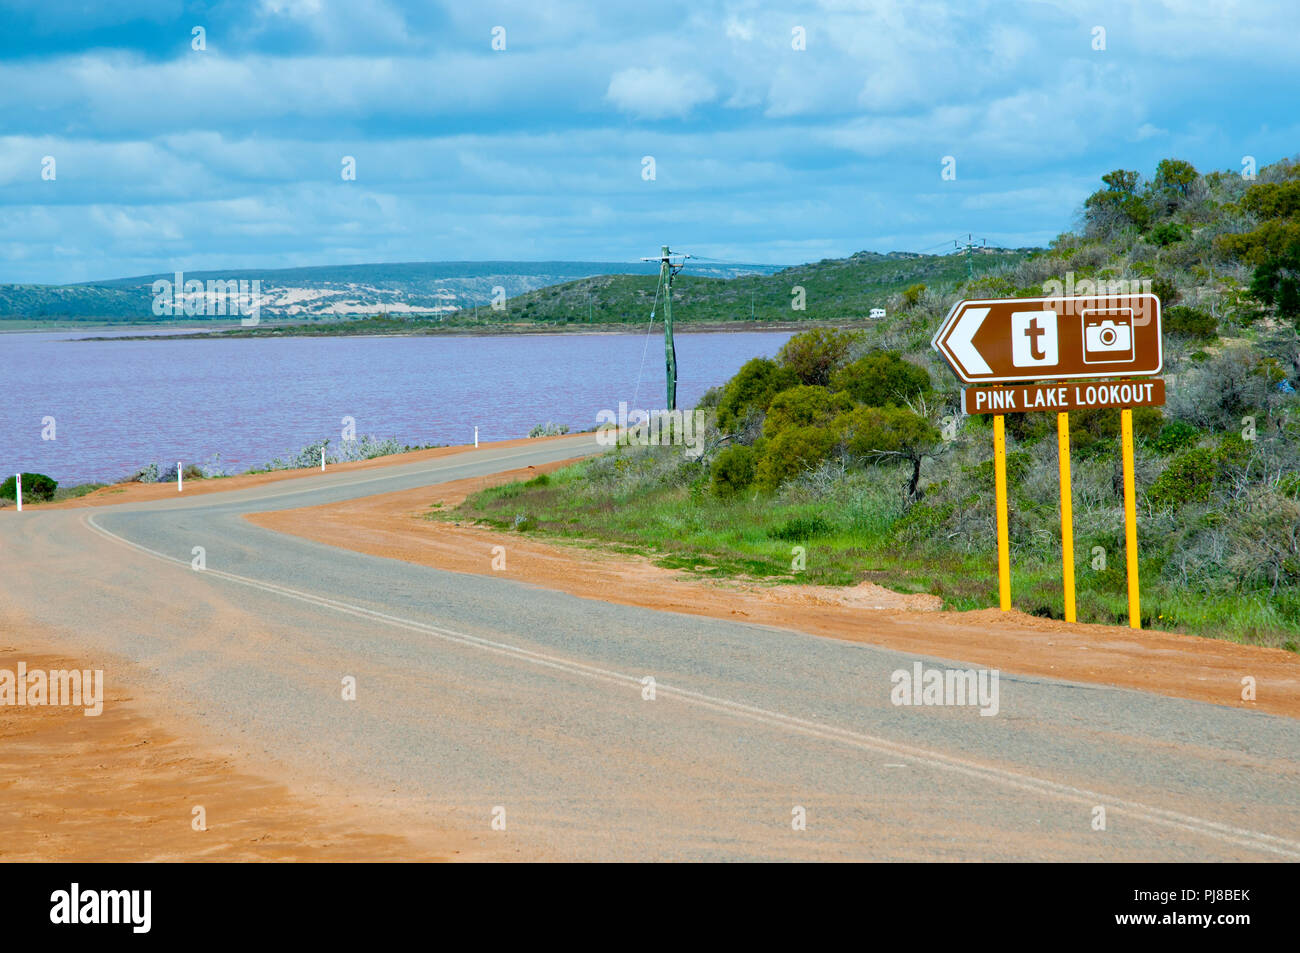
[(1000, 494), (1067, 511), (1130, 520)]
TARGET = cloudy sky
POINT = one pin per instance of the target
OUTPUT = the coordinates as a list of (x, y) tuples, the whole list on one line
[(169, 157)]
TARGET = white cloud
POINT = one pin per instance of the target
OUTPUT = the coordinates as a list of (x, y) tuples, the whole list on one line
[(740, 29), (231, 157), (658, 93)]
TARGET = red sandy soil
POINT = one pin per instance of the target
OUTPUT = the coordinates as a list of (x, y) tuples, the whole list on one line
[(122, 787), (1182, 666)]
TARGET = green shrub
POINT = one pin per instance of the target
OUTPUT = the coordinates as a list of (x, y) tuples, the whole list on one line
[(1233, 451), (1174, 180), (1092, 431), (804, 406), (1118, 206), (1189, 478), (36, 487), (1272, 200), (732, 470), (710, 399), (1164, 289), (1192, 322), (193, 471), (548, 429), (814, 355), (912, 296), (881, 379), (1175, 436), (923, 521), (753, 388), (1265, 542), (1166, 233), (791, 452)]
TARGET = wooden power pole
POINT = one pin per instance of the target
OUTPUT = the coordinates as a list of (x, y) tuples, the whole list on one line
[(966, 248), (666, 272)]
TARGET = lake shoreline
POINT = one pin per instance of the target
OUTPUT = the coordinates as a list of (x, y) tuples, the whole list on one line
[(309, 331)]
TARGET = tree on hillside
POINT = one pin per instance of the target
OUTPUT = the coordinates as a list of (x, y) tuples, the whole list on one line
[(1273, 200), (1273, 247), (1118, 206), (1174, 179), (1276, 283), (878, 433), (1123, 181)]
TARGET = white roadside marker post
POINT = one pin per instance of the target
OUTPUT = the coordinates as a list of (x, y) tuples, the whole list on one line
[(18, 490), (179, 479), (475, 438), (322, 459)]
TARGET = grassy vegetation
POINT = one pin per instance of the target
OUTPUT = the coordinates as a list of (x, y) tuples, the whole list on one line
[(73, 492), (823, 447), (628, 498), (631, 501)]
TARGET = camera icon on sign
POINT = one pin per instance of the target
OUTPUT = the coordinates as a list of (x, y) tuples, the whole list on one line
[(1108, 336)]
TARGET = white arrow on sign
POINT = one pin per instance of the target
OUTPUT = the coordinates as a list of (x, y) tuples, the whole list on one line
[(962, 342)]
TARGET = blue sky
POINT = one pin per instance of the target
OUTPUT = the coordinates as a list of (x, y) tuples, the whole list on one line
[(168, 158)]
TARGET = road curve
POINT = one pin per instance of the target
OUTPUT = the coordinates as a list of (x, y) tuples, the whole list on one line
[(478, 697)]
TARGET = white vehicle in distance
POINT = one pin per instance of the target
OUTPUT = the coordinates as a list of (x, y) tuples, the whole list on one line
[(877, 313)]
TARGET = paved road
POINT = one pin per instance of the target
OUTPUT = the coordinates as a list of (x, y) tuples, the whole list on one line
[(477, 692)]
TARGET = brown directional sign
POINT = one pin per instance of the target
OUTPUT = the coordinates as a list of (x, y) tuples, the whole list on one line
[(1018, 398), (1043, 339)]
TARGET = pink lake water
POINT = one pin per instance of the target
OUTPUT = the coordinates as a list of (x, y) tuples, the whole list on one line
[(118, 405)]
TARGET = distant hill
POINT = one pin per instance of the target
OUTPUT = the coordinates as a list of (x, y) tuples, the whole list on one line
[(332, 291), (445, 296), (833, 289)]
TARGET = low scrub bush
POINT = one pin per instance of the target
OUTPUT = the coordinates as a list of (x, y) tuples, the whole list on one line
[(1192, 322), (733, 470), (548, 429), (881, 379), (1189, 478), (36, 487), (790, 452), (804, 406)]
